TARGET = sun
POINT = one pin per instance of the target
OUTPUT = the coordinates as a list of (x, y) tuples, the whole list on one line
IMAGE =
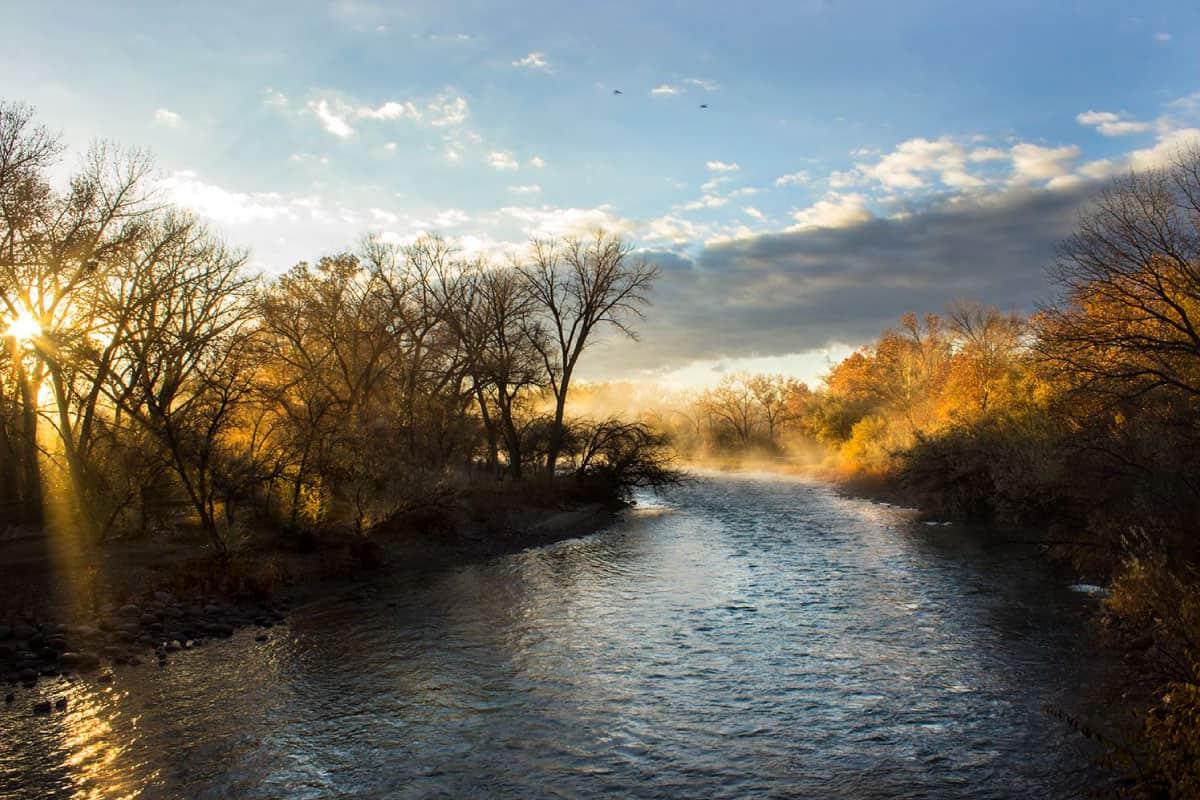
[(24, 328)]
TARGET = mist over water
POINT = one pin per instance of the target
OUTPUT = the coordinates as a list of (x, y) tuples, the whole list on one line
[(746, 636)]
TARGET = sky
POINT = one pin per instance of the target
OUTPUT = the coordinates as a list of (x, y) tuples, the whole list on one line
[(856, 160)]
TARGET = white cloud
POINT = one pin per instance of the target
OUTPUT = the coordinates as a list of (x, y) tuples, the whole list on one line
[(502, 160), (384, 217), (904, 167), (842, 179), (793, 178), (535, 60), (722, 166), (754, 212), (451, 218), (711, 184), (833, 211), (168, 119), (707, 201), (706, 85), (988, 154), (221, 205), (389, 110), (1033, 162), (550, 222), (529, 188), (1165, 149), (390, 147), (1109, 124), (453, 154), (665, 89), (537, 162), (675, 230), (448, 109), (308, 158), (1162, 37), (331, 119)]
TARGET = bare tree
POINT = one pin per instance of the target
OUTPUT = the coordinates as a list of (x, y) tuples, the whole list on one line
[(580, 286)]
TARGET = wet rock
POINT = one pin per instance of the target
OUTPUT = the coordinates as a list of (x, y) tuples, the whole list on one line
[(61, 704), (42, 707), (172, 646), (105, 677), (81, 661)]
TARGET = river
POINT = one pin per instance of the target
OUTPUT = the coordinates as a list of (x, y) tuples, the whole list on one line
[(745, 636)]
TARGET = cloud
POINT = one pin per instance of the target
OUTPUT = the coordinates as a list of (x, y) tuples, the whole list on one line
[(793, 178), (707, 201), (451, 218), (907, 166), (706, 85), (1033, 162), (331, 119), (751, 211), (1109, 124), (537, 162), (833, 211), (389, 110), (535, 60), (722, 166), (448, 109), (221, 205), (548, 222), (167, 119), (665, 89), (798, 291), (1162, 37), (1167, 147), (502, 160), (529, 188)]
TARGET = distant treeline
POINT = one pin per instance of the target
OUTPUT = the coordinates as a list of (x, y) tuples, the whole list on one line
[(145, 370)]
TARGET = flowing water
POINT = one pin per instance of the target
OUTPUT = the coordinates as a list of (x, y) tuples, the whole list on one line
[(746, 636)]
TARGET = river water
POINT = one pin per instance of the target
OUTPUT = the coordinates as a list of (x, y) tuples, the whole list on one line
[(746, 636)]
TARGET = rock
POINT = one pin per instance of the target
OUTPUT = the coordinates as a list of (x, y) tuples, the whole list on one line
[(42, 707), (105, 677), (172, 646), (262, 637), (129, 610), (61, 704), (134, 661), (10, 697), (83, 661)]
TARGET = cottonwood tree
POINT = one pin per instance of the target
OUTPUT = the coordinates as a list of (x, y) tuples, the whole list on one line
[(579, 287)]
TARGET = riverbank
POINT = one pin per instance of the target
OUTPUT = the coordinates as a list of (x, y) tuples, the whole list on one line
[(72, 612)]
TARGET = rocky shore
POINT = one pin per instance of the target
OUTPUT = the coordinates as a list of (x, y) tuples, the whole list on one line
[(42, 640)]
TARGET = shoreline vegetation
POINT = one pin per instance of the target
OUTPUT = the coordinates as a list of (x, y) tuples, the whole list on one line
[(181, 439), (184, 445)]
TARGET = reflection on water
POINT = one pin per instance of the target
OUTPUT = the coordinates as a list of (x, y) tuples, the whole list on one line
[(752, 636)]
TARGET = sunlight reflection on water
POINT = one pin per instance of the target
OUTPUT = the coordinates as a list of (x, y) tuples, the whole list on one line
[(746, 636)]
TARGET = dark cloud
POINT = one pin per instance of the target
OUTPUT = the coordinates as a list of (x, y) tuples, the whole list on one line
[(793, 292)]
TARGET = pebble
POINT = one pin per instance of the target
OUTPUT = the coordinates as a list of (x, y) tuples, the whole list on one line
[(42, 707), (61, 704)]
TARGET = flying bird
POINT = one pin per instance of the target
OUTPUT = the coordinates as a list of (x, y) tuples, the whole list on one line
[(704, 105), (617, 91)]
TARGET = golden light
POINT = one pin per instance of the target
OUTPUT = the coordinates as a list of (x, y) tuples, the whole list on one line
[(24, 328)]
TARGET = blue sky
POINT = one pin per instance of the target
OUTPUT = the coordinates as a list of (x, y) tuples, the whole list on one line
[(854, 157)]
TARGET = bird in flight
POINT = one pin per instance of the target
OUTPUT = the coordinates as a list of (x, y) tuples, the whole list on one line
[(617, 91), (704, 105)]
